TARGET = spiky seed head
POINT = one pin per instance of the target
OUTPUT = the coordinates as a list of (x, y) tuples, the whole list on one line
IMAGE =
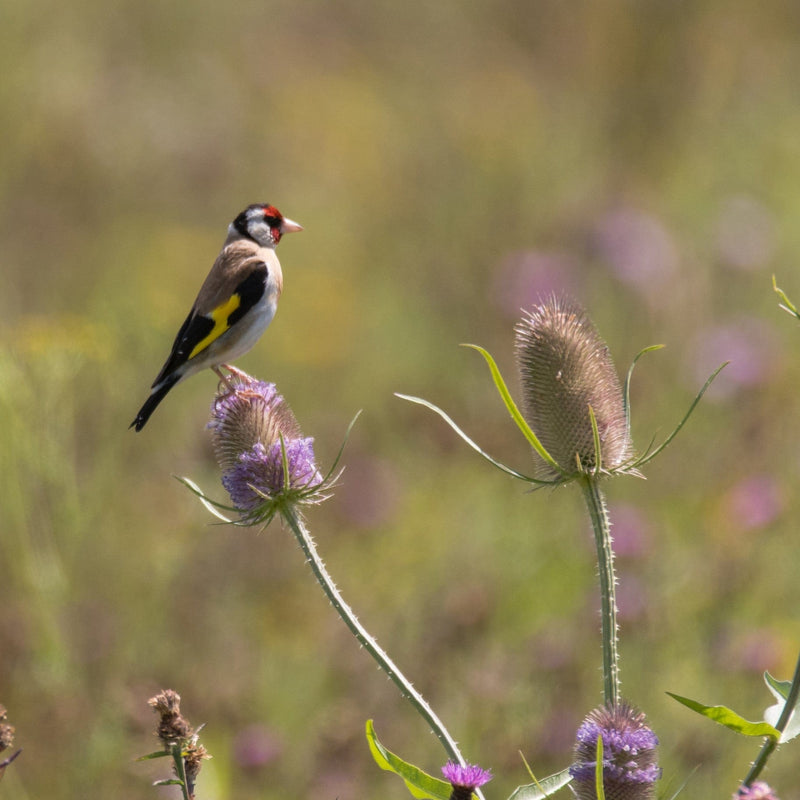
[(253, 413), (252, 428), (565, 368)]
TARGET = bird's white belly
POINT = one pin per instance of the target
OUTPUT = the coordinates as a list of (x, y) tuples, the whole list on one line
[(242, 337)]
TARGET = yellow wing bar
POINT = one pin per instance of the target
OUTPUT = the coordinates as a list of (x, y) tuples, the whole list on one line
[(220, 316)]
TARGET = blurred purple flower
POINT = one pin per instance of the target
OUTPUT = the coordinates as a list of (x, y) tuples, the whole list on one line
[(630, 768), (748, 651), (631, 531), (555, 733), (554, 647), (757, 791), (754, 502), (256, 746), (744, 233), (370, 496), (637, 247), (632, 599), (525, 277), (749, 344)]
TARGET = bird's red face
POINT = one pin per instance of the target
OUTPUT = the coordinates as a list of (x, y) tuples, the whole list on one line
[(274, 220)]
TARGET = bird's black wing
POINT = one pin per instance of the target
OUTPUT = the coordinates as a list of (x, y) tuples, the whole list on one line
[(200, 330)]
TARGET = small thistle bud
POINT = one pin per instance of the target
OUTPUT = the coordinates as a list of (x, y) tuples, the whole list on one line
[(172, 727), (464, 779), (178, 737), (251, 428), (6, 739), (756, 791), (565, 368), (630, 768), (6, 736), (193, 756)]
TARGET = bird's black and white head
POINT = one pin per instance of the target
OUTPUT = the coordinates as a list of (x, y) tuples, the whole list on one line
[(263, 224)]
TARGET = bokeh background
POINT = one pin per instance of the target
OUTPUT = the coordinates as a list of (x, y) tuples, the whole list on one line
[(451, 162)]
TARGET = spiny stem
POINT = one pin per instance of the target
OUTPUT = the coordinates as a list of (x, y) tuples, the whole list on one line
[(180, 771), (366, 640), (770, 744), (595, 502)]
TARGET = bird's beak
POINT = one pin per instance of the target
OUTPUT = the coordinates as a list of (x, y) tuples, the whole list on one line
[(288, 226)]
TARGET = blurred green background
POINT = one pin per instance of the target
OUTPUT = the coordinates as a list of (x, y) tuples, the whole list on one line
[(451, 162)]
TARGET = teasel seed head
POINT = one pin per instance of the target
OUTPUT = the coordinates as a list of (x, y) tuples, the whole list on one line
[(566, 369)]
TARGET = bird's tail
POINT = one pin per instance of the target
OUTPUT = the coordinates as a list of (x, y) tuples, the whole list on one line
[(156, 396)]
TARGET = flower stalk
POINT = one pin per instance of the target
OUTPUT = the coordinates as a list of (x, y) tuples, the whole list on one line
[(770, 743), (594, 497), (364, 638), (268, 470)]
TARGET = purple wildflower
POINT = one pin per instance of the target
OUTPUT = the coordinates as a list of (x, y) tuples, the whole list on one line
[(744, 233), (465, 778), (639, 249), (251, 428), (630, 769), (748, 343), (259, 472), (754, 502), (524, 277), (756, 791)]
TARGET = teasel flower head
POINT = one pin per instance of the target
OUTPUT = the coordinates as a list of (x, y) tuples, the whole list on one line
[(265, 459), (756, 791), (464, 778), (572, 396), (630, 767)]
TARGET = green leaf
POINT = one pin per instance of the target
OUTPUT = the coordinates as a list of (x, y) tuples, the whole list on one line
[(598, 771), (419, 783), (627, 391), (786, 304), (780, 691), (210, 504), (730, 719), (338, 458), (598, 455), (685, 783), (169, 782), (157, 754), (470, 442), (652, 454), (516, 415), (543, 788)]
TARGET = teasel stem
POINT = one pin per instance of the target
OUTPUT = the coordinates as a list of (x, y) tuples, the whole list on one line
[(595, 500), (366, 640), (770, 744)]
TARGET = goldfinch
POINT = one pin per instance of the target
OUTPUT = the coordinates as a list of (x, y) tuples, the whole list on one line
[(235, 305)]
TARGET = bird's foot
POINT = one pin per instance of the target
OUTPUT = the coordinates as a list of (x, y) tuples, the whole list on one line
[(232, 387)]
